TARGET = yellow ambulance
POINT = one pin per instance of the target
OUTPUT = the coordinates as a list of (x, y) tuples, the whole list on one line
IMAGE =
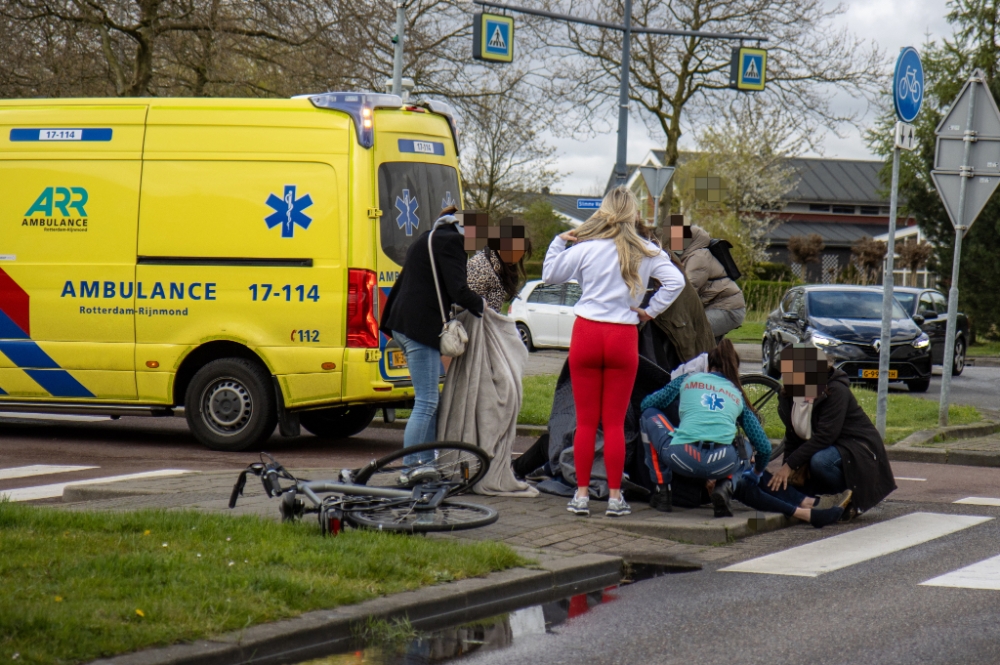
[(223, 259)]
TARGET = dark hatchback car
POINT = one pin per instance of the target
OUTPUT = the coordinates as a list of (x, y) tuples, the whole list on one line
[(929, 309), (846, 323)]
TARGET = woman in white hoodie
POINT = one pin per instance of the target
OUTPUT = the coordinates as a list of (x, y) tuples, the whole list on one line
[(612, 264)]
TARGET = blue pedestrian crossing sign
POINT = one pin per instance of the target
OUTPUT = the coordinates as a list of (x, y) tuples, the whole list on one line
[(748, 68), (493, 38)]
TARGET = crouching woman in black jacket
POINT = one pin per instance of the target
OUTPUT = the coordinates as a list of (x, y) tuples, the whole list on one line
[(412, 317), (827, 432)]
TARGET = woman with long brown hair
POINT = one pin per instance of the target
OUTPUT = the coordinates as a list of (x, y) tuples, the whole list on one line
[(704, 445), (612, 264)]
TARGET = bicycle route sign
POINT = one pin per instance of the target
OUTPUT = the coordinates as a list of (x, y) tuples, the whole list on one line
[(908, 84)]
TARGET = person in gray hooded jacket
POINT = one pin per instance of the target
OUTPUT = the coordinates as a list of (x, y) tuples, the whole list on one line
[(721, 297)]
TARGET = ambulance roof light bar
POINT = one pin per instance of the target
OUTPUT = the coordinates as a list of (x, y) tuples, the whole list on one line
[(360, 106)]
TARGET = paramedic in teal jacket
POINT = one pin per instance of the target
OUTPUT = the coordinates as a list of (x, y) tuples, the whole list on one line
[(704, 444)]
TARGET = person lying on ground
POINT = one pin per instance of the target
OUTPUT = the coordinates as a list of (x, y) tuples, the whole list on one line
[(704, 445), (830, 442)]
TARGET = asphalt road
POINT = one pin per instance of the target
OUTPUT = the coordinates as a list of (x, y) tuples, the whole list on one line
[(873, 612)]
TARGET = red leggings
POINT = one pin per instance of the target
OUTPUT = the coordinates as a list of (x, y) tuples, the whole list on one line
[(603, 360)]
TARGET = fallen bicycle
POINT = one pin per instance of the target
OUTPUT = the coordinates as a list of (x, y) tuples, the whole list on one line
[(408, 491)]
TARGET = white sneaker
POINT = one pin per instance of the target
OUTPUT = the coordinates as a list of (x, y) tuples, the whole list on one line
[(579, 506), (618, 508)]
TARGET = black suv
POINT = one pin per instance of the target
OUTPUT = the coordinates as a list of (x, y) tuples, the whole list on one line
[(846, 323), (929, 309)]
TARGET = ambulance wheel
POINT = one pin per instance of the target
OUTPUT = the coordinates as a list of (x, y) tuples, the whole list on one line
[(230, 404), (338, 423)]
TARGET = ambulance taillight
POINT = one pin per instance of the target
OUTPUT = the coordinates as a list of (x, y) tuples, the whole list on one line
[(362, 308)]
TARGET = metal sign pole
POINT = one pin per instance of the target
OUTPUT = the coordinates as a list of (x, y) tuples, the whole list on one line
[(960, 227), (397, 60), (621, 169), (888, 282)]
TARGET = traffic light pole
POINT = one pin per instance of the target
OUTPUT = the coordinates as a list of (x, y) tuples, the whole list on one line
[(397, 59), (621, 168)]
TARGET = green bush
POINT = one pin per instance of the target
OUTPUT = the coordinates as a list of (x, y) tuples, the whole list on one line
[(763, 296), (773, 272)]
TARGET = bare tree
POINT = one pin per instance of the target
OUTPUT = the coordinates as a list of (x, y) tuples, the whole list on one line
[(914, 256), (868, 255), (684, 81), (503, 155), (806, 249)]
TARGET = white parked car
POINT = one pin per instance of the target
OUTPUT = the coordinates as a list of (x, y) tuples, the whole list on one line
[(544, 314)]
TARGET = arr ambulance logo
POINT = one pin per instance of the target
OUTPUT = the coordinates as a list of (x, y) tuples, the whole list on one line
[(59, 209), (288, 211), (16, 344)]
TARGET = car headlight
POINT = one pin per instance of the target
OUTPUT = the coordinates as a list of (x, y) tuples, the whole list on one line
[(921, 342), (824, 342)]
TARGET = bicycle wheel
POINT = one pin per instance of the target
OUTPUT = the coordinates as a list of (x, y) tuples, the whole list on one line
[(762, 391), (458, 464), (403, 517)]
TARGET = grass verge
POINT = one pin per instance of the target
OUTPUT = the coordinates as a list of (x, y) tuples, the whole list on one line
[(79, 586), (984, 350), (906, 414)]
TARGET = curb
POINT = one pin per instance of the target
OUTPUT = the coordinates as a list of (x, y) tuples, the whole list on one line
[(707, 533), (522, 430), (982, 361), (318, 633), (909, 450)]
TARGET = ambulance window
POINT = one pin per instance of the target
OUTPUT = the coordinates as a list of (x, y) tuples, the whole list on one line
[(411, 195)]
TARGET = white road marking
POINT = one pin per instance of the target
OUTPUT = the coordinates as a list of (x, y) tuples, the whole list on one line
[(56, 489), (854, 547), (920, 480), (982, 575), (979, 501), (39, 470)]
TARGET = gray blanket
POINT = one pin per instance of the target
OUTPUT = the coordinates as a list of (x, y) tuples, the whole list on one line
[(482, 397)]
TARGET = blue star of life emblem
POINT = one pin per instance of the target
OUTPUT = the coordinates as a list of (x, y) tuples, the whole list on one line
[(407, 218), (288, 212), (712, 401)]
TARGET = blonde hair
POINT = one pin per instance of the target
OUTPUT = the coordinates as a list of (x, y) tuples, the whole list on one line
[(615, 220)]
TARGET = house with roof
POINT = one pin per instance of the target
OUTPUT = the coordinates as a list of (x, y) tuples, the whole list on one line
[(838, 199)]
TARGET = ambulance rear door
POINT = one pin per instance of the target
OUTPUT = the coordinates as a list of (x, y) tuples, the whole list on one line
[(416, 175), (69, 196)]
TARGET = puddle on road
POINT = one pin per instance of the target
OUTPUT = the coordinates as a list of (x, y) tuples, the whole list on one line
[(491, 634)]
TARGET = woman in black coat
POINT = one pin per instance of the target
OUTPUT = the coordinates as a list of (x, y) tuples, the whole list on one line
[(412, 317), (843, 451)]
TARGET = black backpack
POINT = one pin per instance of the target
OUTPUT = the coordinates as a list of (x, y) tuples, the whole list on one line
[(720, 250)]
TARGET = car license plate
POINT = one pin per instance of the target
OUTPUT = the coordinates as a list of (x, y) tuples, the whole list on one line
[(397, 360), (873, 373)]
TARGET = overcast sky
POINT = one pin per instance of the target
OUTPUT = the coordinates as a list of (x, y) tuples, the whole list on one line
[(893, 24)]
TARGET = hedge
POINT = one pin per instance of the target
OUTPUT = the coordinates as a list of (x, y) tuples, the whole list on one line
[(763, 296)]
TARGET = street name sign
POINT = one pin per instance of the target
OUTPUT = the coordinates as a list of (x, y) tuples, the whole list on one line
[(656, 178), (493, 38), (908, 85), (588, 204), (982, 140), (748, 68)]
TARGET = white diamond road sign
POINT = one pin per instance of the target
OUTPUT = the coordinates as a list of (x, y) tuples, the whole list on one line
[(983, 167)]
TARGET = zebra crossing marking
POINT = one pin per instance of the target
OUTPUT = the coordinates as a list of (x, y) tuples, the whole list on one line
[(853, 547), (39, 470), (979, 501), (981, 575), (56, 489)]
